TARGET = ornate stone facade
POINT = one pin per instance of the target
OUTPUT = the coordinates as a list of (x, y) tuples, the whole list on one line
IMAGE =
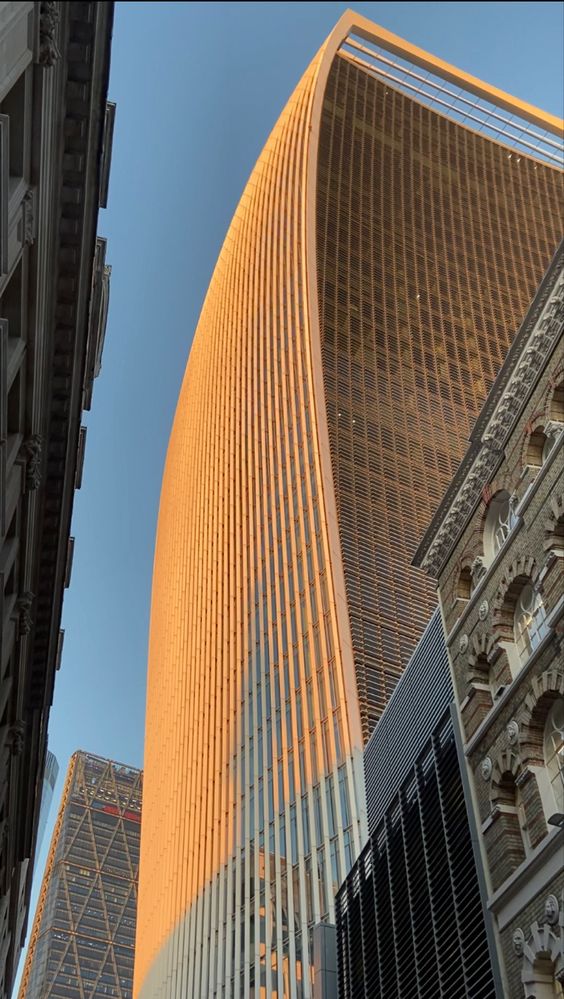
[(505, 515), (53, 88)]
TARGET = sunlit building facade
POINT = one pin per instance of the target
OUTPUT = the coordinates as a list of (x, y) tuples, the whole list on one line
[(381, 257), (83, 936)]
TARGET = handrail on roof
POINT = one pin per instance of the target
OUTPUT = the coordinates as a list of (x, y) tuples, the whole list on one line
[(352, 23)]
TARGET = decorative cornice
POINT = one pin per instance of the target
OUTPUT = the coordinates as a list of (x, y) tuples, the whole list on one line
[(525, 361), (86, 31), (109, 120), (468, 495), (74, 39)]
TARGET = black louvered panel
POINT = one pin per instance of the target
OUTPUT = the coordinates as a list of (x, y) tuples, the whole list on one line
[(410, 922)]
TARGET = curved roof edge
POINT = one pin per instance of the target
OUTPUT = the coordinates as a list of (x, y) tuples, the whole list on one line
[(352, 22)]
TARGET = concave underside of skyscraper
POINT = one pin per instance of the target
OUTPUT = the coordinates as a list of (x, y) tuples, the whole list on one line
[(383, 254)]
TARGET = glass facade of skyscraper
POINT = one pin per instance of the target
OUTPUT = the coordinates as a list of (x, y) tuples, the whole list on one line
[(430, 242), (50, 775), (379, 261), (82, 941)]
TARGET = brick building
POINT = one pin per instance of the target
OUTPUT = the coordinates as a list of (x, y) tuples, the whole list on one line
[(496, 547)]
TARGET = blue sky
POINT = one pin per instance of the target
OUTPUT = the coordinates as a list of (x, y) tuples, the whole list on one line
[(198, 87)]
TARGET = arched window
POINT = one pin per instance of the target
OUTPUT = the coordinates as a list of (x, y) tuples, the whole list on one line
[(500, 521), (554, 750), (529, 623)]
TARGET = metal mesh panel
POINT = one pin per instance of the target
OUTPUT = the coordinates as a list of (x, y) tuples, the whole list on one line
[(419, 701), (431, 241)]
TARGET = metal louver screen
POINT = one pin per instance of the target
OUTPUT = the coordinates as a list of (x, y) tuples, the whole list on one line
[(401, 909)]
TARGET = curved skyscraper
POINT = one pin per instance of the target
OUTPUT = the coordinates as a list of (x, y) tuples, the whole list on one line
[(380, 259)]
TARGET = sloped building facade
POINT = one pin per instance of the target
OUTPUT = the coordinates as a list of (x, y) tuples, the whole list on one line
[(378, 264)]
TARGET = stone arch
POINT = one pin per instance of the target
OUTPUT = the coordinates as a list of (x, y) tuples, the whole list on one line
[(554, 407), (554, 527), (462, 589), (545, 689), (502, 484), (543, 960), (487, 662), (505, 839), (505, 771), (514, 793), (521, 570), (533, 443)]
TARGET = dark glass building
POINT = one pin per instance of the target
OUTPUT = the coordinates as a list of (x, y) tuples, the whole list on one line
[(410, 920), (82, 942)]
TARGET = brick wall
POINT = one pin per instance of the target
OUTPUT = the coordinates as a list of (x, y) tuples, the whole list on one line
[(532, 922)]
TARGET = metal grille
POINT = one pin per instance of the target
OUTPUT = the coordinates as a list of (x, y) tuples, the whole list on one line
[(82, 942), (409, 917), (420, 699), (431, 241)]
